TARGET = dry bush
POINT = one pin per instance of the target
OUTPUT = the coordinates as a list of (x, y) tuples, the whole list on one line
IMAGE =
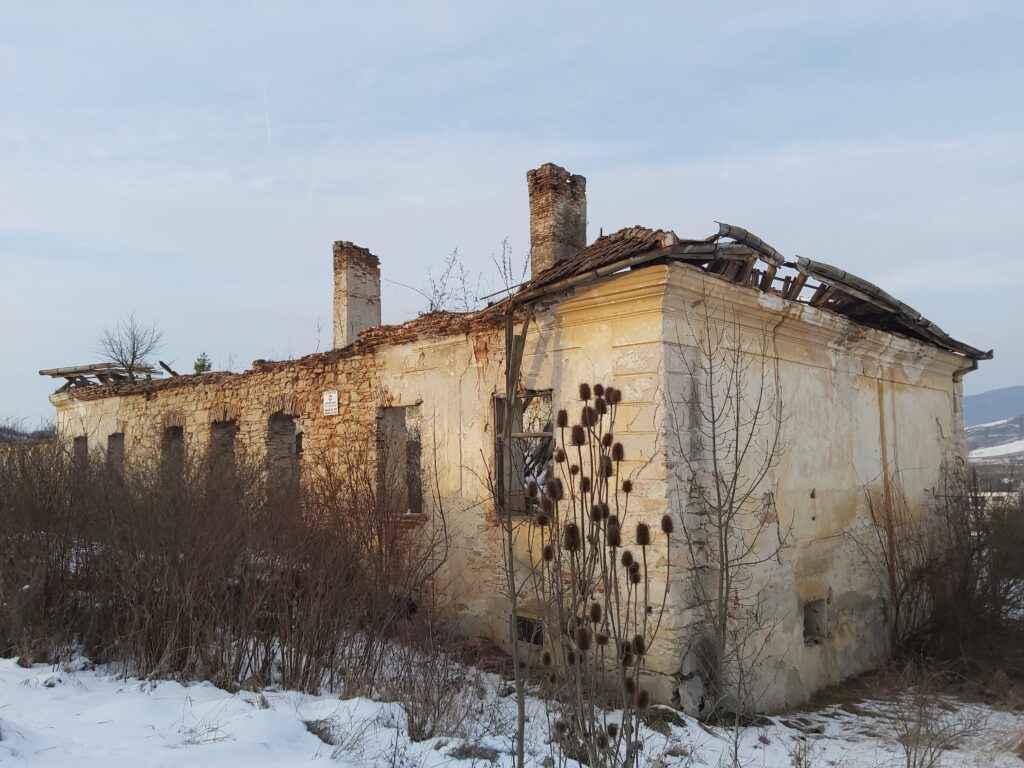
[(925, 722), (204, 573), (434, 688), (951, 573)]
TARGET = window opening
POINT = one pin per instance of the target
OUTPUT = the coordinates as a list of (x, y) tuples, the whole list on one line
[(528, 456), (399, 463), (815, 627), (115, 452)]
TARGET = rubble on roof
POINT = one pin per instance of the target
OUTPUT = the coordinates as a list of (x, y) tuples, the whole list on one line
[(736, 255), (94, 374)]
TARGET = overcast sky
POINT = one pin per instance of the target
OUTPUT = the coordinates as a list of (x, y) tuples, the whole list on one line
[(194, 161)]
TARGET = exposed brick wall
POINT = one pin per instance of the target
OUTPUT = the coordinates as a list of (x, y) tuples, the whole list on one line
[(356, 292), (558, 215)]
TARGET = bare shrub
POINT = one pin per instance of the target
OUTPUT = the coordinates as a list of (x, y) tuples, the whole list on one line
[(951, 571), (175, 577), (433, 687), (925, 722)]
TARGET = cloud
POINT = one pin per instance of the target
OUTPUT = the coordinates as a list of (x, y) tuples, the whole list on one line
[(137, 172)]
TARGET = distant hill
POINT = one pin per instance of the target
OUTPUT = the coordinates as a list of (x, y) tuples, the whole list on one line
[(996, 404), (997, 441)]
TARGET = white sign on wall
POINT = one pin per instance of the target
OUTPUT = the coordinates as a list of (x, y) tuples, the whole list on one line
[(331, 402)]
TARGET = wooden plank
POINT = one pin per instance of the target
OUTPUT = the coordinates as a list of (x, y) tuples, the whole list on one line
[(798, 285), (823, 294), (768, 277)]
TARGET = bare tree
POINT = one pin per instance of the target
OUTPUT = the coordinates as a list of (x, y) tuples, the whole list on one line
[(729, 434), (130, 343)]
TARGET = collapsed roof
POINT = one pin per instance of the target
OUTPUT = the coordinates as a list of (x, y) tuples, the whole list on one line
[(737, 256)]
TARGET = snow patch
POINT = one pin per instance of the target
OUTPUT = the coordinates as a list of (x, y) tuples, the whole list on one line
[(1006, 449)]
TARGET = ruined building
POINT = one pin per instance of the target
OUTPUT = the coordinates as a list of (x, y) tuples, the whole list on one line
[(869, 394)]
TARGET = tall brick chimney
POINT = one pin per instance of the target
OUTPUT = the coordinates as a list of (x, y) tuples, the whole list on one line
[(558, 215), (356, 292)]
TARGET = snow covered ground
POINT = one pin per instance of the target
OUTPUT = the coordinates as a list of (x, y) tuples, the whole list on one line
[(76, 716)]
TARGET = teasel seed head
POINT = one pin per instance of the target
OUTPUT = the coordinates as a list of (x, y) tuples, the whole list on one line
[(559, 455), (561, 727), (630, 686), (532, 490), (559, 489), (595, 613), (604, 511), (606, 439), (613, 396), (541, 519), (574, 469), (613, 730), (584, 392), (613, 538), (667, 526), (627, 486), (585, 484), (643, 534), (606, 469), (601, 740), (578, 436), (600, 406), (562, 419), (634, 567), (599, 390), (545, 658), (639, 645), (546, 504), (548, 553), (627, 558), (601, 638), (572, 537), (627, 658), (642, 700), (551, 488), (582, 639), (635, 577), (618, 452), (588, 416), (595, 513)]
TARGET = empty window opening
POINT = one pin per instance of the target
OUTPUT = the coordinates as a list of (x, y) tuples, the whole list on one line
[(815, 628), (399, 456), (528, 453), (80, 451), (529, 630), (284, 449), (115, 452), (172, 453), (223, 436)]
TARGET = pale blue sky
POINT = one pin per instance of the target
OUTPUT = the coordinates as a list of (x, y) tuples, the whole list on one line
[(136, 171)]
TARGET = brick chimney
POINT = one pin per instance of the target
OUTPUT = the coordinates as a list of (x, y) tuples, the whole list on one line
[(356, 292), (558, 215)]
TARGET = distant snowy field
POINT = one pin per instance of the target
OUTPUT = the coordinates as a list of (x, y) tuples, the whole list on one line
[(80, 717), (1001, 439)]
